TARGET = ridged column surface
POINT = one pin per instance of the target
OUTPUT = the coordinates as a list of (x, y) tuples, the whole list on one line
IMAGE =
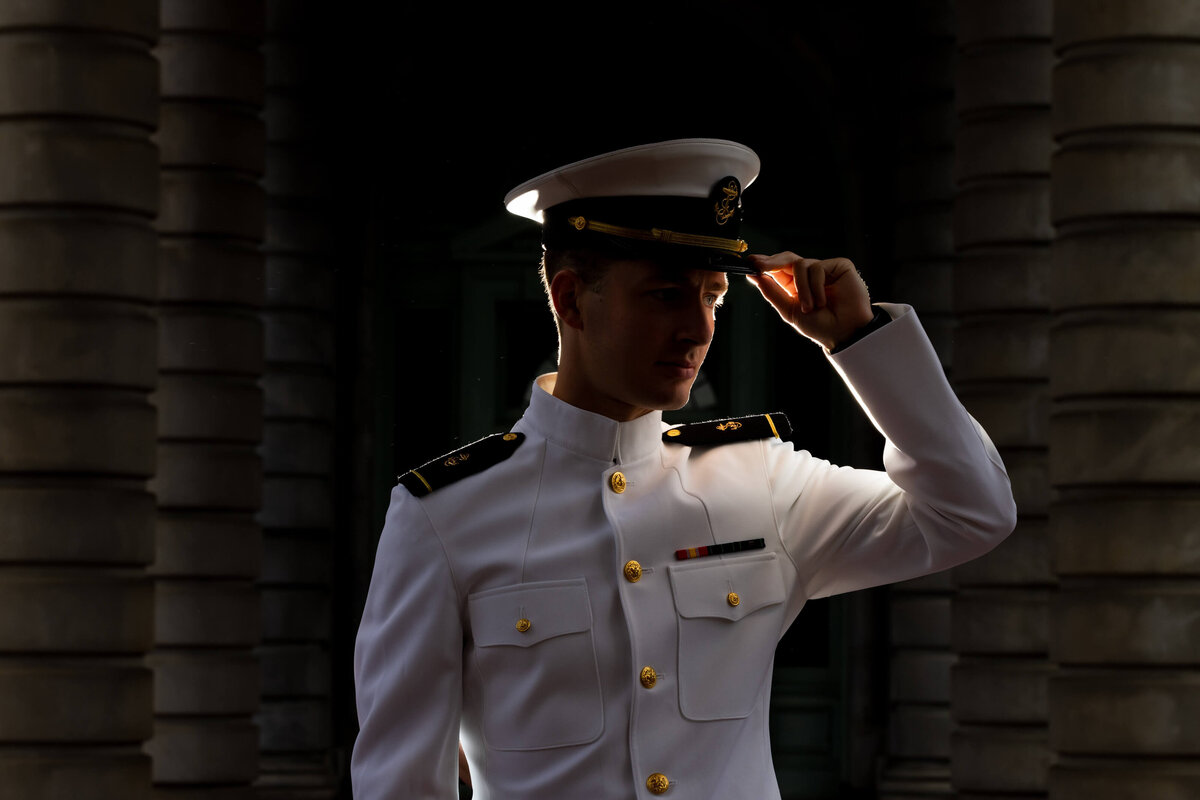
[(918, 734), (1002, 237), (296, 719), (78, 190), (1125, 414), (207, 543)]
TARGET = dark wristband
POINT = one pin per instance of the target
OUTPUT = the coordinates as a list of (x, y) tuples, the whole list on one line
[(880, 319)]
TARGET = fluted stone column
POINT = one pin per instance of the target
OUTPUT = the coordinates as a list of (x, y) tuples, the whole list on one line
[(1002, 240), (1125, 383), (78, 188), (918, 742), (297, 515), (208, 545)]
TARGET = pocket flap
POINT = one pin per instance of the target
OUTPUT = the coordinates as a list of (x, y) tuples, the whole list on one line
[(703, 590), (551, 608)]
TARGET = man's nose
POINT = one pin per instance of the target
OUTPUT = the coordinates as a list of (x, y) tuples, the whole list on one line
[(698, 326)]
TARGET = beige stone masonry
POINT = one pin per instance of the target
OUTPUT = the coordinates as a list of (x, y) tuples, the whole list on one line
[(1125, 703), (78, 190), (1002, 232), (209, 481)]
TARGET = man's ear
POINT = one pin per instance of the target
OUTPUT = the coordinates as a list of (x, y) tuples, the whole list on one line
[(565, 289)]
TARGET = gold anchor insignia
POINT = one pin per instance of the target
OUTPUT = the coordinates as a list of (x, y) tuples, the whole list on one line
[(458, 459), (725, 208), (732, 425)]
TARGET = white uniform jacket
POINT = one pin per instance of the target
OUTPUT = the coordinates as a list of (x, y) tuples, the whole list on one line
[(501, 609)]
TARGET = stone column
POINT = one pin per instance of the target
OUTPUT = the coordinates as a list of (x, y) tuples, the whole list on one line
[(1125, 384), (1002, 236), (297, 516), (208, 545), (918, 742), (78, 189)]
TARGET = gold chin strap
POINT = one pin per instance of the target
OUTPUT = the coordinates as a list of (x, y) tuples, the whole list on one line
[(660, 235)]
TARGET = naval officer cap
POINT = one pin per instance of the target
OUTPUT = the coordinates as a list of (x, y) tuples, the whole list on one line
[(678, 201)]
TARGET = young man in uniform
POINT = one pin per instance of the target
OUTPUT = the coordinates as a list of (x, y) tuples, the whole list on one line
[(592, 600)]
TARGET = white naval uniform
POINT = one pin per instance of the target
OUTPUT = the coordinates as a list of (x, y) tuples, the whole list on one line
[(559, 710)]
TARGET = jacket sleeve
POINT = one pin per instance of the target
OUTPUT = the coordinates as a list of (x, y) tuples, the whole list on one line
[(945, 498), (408, 666)]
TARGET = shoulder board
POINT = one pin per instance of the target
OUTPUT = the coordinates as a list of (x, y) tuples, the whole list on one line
[(724, 431), (470, 460)]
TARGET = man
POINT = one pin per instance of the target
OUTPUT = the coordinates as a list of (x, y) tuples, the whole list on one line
[(592, 600)]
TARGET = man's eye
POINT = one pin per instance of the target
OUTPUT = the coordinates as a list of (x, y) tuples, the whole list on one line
[(666, 295)]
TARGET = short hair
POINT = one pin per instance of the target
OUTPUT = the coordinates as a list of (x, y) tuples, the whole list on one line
[(590, 266)]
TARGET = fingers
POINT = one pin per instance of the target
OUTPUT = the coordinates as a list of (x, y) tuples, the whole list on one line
[(803, 278), (773, 292), (777, 261), (825, 300)]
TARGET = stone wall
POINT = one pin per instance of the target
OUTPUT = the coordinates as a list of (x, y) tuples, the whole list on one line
[(78, 261), (1124, 707), (1002, 236), (208, 547)]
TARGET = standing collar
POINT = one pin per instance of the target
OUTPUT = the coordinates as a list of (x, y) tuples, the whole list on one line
[(589, 434)]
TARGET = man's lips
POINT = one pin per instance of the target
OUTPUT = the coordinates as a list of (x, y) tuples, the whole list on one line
[(680, 369)]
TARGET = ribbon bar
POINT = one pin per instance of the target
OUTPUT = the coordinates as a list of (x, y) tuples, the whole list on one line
[(719, 549)]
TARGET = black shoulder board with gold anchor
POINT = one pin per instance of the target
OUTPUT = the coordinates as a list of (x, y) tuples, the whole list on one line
[(466, 461), (724, 431)]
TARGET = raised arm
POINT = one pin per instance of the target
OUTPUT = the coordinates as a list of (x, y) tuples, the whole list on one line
[(945, 497)]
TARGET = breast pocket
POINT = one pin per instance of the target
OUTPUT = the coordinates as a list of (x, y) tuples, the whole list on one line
[(730, 619), (535, 651)]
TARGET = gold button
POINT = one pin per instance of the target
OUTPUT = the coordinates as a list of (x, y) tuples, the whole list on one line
[(657, 783), (674, 432), (617, 482), (523, 625), (508, 437), (633, 571), (732, 598), (649, 677)]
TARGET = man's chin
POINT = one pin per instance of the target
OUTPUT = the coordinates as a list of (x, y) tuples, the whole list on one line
[(677, 404), (662, 396), (673, 402)]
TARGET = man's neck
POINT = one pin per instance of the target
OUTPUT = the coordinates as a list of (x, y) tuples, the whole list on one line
[(569, 389)]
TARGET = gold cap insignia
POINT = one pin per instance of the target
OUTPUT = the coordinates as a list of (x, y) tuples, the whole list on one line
[(727, 200)]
